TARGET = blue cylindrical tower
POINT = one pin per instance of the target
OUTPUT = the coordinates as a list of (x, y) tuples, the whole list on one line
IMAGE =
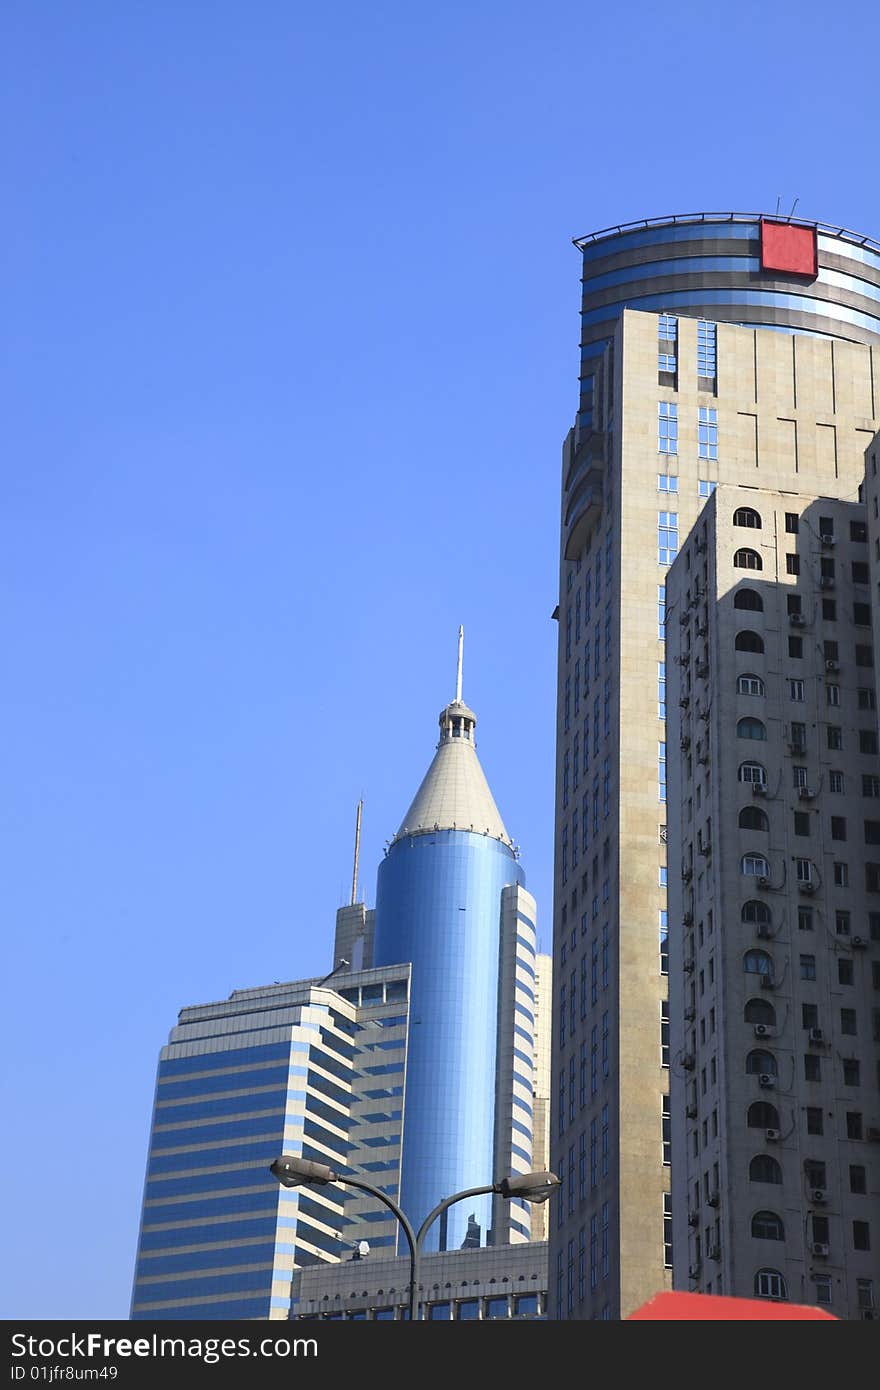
[(438, 905)]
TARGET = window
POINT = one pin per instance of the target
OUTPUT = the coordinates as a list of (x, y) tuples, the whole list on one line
[(757, 963), (870, 785), (858, 1180), (808, 967), (758, 1061), (755, 911), (861, 1235), (829, 610), (858, 531), (666, 483), (832, 694), (834, 737), (748, 641), (766, 1225), (862, 614), (750, 684), (750, 727), (803, 871), (814, 1172), (667, 537), (854, 1124), (755, 865), (795, 687), (753, 772), (792, 564), (815, 1119), (804, 917), (838, 827), (667, 1230), (841, 874), (822, 1286), (762, 1115), (867, 741), (707, 436), (801, 822), (763, 1168), (791, 523), (745, 559), (707, 356), (867, 698), (799, 776), (835, 781), (841, 922), (851, 1071), (796, 647), (667, 428), (748, 598), (705, 488), (747, 516), (845, 972), (860, 572), (759, 1011), (812, 1067), (753, 818)]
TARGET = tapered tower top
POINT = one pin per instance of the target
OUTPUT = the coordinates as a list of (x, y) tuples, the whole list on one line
[(454, 794)]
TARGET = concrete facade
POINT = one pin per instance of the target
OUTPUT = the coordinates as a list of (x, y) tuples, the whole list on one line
[(656, 434), (774, 901)]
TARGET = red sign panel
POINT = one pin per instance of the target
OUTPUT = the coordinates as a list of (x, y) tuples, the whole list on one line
[(791, 250), (712, 1307)]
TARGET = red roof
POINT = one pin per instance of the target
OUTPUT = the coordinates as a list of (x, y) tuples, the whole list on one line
[(715, 1308)]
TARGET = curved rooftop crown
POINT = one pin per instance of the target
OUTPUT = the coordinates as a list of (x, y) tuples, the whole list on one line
[(454, 794)]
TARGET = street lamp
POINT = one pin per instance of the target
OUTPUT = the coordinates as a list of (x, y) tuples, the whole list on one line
[(291, 1171)]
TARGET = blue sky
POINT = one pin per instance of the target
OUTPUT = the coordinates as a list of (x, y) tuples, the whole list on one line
[(289, 348)]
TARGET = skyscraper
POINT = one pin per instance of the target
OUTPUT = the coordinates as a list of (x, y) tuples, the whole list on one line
[(414, 1063), (715, 348)]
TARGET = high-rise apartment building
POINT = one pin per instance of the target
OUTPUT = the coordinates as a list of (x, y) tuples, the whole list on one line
[(418, 1063), (715, 349), (774, 901)]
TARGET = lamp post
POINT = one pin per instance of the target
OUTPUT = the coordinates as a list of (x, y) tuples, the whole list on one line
[(291, 1171)]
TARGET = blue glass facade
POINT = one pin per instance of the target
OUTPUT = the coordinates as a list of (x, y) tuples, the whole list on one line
[(438, 905)]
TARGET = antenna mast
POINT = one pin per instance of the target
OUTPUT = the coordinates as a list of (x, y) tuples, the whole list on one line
[(357, 851), (460, 655)]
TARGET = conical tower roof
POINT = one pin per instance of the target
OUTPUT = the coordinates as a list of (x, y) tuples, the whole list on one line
[(454, 794)]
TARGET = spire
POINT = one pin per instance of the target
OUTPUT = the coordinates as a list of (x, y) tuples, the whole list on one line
[(454, 794)]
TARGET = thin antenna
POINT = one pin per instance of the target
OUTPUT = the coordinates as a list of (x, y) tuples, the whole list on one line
[(460, 655), (793, 206), (357, 852), (778, 201)]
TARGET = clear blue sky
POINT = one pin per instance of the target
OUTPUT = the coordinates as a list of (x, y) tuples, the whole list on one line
[(289, 348)]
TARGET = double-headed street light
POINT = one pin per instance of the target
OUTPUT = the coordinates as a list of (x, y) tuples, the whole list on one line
[(530, 1187)]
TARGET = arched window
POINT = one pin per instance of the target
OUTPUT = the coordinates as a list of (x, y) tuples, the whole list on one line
[(755, 911), (753, 818), (750, 727), (747, 516), (748, 641), (766, 1225), (759, 1061), (763, 1168), (769, 1283), (755, 865), (748, 598), (752, 772), (746, 559), (758, 963), (762, 1115), (749, 684), (759, 1011)]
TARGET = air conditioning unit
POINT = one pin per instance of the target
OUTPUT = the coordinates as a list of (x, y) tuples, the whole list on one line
[(860, 942), (714, 1252), (714, 1199), (759, 789), (702, 629), (762, 881), (688, 965), (684, 742), (690, 1013), (687, 918), (796, 619), (768, 982), (764, 930), (815, 1035), (685, 701), (694, 1272), (772, 1136), (687, 874), (703, 670), (700, 547), (688, 1061), (819, 1196), (705, 715), (764, 1030), (821, 1249), (808, 886), (826, 538), (683, 618), (691, 1112), (706, 848), (766, 1080), (693, 1218), (826, 582), (806, 793), (832, 665)]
